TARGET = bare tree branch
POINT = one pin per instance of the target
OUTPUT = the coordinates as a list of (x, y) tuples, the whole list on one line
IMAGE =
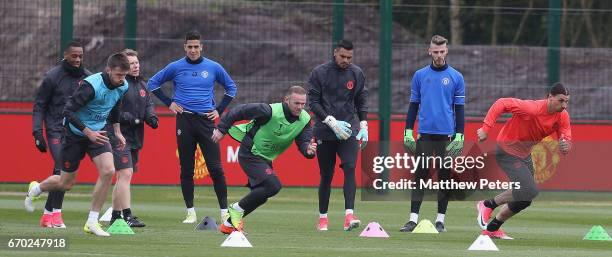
[(522, 23)]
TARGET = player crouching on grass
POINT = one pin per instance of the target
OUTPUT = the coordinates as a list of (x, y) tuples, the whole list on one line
[(269, 133), (531, 121)]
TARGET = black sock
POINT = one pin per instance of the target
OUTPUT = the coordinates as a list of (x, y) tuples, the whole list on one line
[(127, 213), (490, 203), (116, 214), (494, 225), (49, 203)]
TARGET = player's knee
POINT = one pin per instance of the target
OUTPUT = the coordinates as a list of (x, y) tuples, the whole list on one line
[(214, 167), (66, 185), (534, 193), (125, 174), (216, 173), (348, 168), (186, 174), (526, 193), (529, 193), (107, 173), (518, 206), (274, 186)]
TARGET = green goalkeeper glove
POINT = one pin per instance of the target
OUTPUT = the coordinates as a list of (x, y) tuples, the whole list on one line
[(455, 147), (409, 142)]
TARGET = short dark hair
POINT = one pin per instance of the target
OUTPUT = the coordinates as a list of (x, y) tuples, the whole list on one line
[(297, 89), (130, 52), (348, 45), (118, 60), (192, 35), (438, 40), (558, 88), (72, 44)]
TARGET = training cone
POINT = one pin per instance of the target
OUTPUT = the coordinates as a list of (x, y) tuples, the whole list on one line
[(483, 243), (374, 230), (119, 227), (425, 227), (597, 233), (106, 217), (236, 239), (207, 223)]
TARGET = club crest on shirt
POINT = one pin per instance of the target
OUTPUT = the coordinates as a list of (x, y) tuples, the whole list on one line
[(445, 81), (545, 158), (350, 84), (142, 93), (204, 74)]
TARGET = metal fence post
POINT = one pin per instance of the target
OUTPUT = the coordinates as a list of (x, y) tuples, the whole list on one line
[(554, 31), (131, 23), (67, 22), (384, 87), (338, 22)]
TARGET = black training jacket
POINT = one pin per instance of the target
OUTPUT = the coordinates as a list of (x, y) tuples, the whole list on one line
[(57, 86), (337, 92), (137, 108)]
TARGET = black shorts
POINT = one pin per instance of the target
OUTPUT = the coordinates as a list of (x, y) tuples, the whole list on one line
[(74, 148), (256, 168), (125, 158), (518, 170)]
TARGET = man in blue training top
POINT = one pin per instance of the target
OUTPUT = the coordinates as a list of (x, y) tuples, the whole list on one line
[(86, 112), (193, 103), (438, 96)]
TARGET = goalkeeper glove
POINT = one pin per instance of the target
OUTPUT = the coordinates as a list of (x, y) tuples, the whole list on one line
[(363, 133), (409, 142), (455, 147), (342, 129)]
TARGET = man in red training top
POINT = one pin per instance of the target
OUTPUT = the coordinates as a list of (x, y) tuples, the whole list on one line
[(531, 121)]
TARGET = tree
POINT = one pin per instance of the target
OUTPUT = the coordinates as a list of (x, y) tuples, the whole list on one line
[(522, 23), (496, 18), (455, 23)]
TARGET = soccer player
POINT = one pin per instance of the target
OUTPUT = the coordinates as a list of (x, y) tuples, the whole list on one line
[(531, 121), (438, 97), (194, 78), (96, 99), (57, 86), (136, 109), (271, 130), (338, 98)]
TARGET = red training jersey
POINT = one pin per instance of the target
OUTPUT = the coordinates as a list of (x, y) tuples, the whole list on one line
[(529, 124)]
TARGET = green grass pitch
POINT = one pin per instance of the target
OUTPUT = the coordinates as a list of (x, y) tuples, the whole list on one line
[(285, 226)]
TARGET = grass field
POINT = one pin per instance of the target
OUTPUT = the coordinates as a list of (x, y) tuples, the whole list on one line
[(285, 226)]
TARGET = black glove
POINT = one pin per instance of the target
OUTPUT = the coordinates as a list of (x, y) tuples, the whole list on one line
[(39, 141), (126, 117), (153, 122)]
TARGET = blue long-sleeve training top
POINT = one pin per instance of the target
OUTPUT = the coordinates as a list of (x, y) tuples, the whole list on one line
[(194, 83)]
